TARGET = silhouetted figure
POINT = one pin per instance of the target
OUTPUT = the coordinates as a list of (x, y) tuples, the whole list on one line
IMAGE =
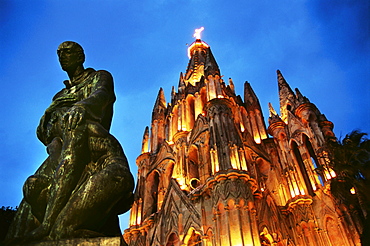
[(85, 182)]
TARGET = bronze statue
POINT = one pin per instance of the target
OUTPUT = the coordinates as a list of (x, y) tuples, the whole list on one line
[(85, 182)]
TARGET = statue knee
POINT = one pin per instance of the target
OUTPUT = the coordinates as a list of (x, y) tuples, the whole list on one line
[(34, 188), (118, 166), (124, 184)]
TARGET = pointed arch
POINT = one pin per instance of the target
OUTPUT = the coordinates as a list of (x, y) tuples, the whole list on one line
[(168, 172), (210, 239), (313, 158), (168, 128), (151, 194), (304, 173), (245, 120), (193, 167), (175, 120), (190, 111)]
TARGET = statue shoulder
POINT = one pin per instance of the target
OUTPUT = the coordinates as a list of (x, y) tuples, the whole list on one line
[(103, 78), (105, 75)]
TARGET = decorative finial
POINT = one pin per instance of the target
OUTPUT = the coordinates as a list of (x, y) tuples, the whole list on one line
[(197, 32), (272, 110)]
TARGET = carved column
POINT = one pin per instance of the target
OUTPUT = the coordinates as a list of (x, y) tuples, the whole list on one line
[(233, 206)]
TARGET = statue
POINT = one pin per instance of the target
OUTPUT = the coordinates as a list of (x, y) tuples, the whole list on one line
[(85, 182)]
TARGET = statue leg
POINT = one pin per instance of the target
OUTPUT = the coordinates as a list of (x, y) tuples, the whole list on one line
[(74, 156), (35, 192), (95, 202)]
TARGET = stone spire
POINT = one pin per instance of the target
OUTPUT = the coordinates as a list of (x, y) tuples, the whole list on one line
[(145, 142), (272, 111), (273, 116), (158, 122), (285, 92), (254, 110), (201, 63), (173, 94), (182, 85), (301, 99), (231, 85), (211, 66), (286, 96), (159, 106), (250, 97)]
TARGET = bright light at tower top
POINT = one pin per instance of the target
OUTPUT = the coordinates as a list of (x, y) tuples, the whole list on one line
[(197, 32), (197, 43)]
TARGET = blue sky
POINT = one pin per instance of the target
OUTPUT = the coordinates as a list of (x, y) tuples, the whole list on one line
[(321, 47)]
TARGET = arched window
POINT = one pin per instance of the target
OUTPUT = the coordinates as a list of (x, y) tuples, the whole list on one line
[(190, 114), (151, 197), (302, 167), (168, 173), (155, 192), (313, 157), (175, 120), (193, 168), (168, 129)]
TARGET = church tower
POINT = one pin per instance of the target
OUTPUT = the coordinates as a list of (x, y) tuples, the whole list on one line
[(211, 173)]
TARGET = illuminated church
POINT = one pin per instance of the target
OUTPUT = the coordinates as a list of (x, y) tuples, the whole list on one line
[(212, 173)]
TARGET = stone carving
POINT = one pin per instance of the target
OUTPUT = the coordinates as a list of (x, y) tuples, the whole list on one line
[(231, 187), (85, 182)]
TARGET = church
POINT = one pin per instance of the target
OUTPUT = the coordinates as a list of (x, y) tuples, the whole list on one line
[(211, 172)]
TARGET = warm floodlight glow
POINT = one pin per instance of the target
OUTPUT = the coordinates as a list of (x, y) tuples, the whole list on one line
[(197, 32), (332, 173), (181, 182), (257, 138), (352, 190), (196, 44), (242, 127)]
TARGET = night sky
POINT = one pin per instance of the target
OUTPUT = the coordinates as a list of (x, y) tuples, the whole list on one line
[(321, 47)]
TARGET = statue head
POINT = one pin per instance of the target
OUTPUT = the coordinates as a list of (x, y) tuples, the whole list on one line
[(71, 55)]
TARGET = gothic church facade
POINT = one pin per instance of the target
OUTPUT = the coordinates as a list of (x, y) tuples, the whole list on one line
[(212, 173)]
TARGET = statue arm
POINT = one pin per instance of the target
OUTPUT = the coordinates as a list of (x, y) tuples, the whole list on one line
[(43, 132)]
